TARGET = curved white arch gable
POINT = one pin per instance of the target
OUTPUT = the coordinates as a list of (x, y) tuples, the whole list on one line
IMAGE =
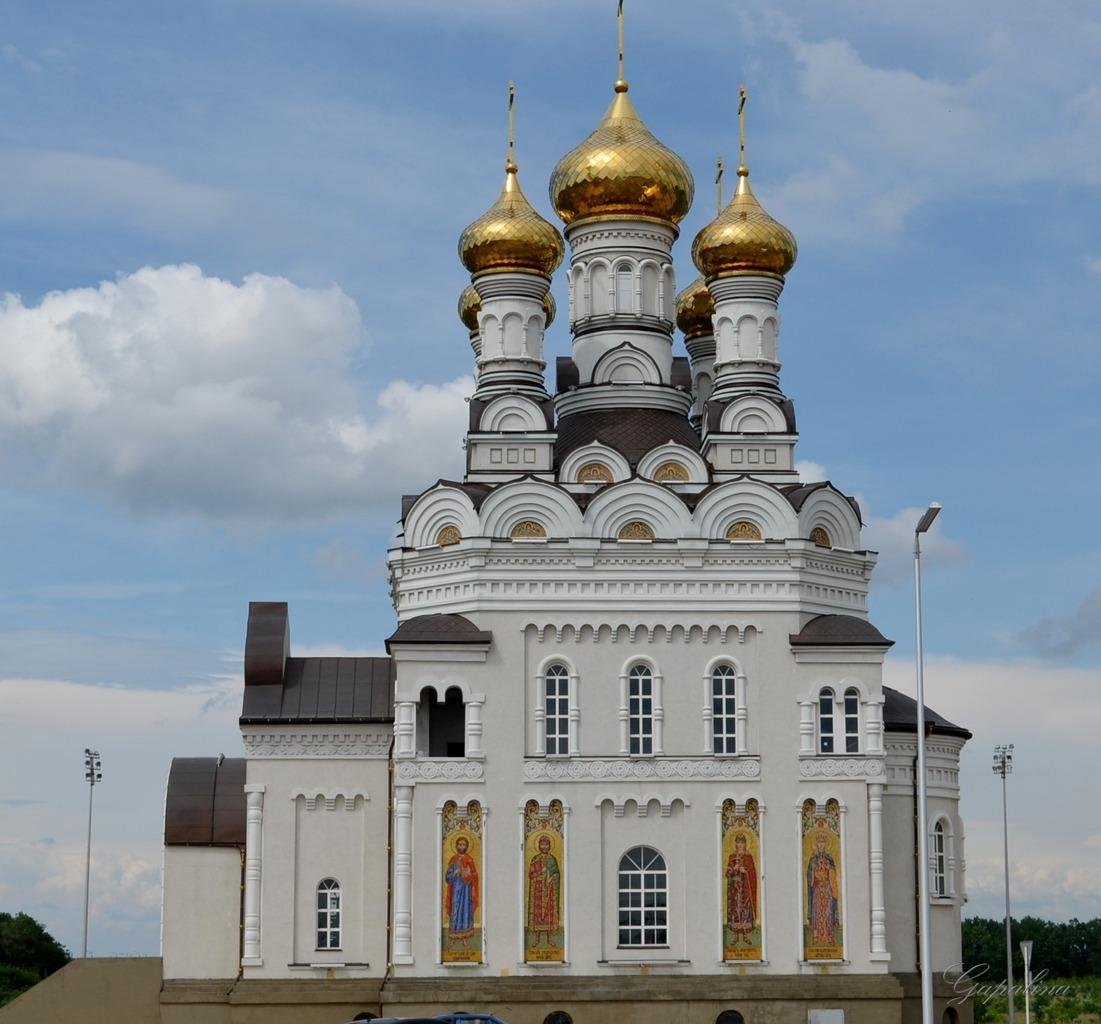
[(439, 507), (753, 414), (594, 452), (512, 502), (673, 452), (612, 508), (512, 412), (626, 365), (828, 509), (746, 499)]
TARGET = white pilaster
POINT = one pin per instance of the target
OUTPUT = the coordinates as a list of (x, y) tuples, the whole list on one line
[(254, 839), (806, 727), (405, 718), (403, 875), (473, 746), (875, 865)]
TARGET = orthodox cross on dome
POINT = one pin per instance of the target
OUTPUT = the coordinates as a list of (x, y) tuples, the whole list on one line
[(719, 168), (743, 170), (510, 160), (620, 81)]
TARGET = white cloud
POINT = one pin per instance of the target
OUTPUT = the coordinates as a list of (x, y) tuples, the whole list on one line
[(1094, 266), (170, 390), (11, 55), (1067, 634), (810, 472), (893, 537)]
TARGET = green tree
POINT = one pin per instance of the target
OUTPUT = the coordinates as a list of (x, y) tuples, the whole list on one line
[(28, 953)]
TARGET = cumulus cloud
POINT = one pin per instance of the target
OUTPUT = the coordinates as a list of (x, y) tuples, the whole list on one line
[(893, 537), (810, 472), (171, 390), (1067, 634)]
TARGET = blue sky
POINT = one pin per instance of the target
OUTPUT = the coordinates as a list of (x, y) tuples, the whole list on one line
[(229, 343)]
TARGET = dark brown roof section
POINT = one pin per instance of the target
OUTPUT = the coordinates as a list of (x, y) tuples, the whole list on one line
[(438, 629), (839, 631), (267, 643), (205, 802), (900, 715), (324, 691), (631, 432)]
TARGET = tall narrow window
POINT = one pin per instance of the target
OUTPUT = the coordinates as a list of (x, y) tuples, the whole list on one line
[(825, 722), (643, 898), (640, 710), (556, 705), (852, 721), (624, 289), (724, 710), (940, 861), (328, 914)]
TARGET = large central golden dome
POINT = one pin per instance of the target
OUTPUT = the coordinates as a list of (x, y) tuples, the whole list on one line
[(621, 171)]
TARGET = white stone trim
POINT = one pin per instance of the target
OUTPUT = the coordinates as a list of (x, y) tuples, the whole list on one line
[(878, 947), (823, 766), (610, 769), (440, 769), (254, 857), (316, 741), (403, 874)]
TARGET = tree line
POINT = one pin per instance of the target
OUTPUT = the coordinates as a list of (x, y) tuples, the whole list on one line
[(28, 953), (1070, 949)]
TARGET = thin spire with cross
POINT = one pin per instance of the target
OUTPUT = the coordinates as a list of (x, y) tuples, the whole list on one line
[(620, 81), (719, 168), (510, 160), (743, 169)]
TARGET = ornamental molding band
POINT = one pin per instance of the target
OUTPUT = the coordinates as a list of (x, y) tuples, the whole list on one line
[(609, 769), (317, 743), (442, 769), (840, 768), (634, 632), (315, 796)]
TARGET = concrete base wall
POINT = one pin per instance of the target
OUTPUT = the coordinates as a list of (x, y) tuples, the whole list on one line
[(97, 991)]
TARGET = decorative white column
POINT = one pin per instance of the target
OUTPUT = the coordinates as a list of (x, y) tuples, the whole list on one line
[(708, 715), (659, 714), (405, 718), (806, 727), (403, 875), (624, 735), (741, 715), (254, 838), (473, 745), (873, 726), (574, 740), (875, 863)]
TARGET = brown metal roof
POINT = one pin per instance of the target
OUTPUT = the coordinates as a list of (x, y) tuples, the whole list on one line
[(839, 631), (438, 629), (900, 715), (631, 432), (325, 691), (267, 643), (205, 802)]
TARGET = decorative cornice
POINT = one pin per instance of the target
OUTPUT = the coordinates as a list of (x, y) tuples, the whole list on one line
[(840, 768), (440, 770), (694, 769), (317, 742), (316, 796)]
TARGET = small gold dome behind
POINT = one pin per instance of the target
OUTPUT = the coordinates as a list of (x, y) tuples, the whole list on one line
[(511, 236), (470, 305), (695, 308), (621, 170), (743, 239)]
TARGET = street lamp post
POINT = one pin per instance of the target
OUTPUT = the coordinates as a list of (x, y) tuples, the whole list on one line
[(1026, 955), (93, 773), (927, 518), (1003, 766)]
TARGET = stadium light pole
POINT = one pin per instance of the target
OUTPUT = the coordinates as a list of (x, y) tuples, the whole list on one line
[(1003, 766), (93, 773), (925, 942), (1026, 955)]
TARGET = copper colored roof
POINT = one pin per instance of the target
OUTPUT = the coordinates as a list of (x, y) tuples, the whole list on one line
[(839, 631), (324, 690), (205, 802), (900, 715), (267, 643), (438, 629), (631, 432)]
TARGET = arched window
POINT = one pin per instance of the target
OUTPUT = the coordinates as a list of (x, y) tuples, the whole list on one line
[(852, 720), (594, 473), (448, 535), (825, 721), (558, 1017), (743, 530), (640, 710), (671, 472), (624, 289), (820, 538), (556, 705), (636, 529), (528, 529), (643, 898), (328, 914), (730, 1017), (940, 861), (950, 1016), (724, 710)]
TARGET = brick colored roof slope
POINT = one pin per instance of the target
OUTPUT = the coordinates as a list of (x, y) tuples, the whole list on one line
[(205, 802)]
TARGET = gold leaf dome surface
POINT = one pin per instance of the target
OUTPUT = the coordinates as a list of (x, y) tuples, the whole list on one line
[(511, 236), (621, 170), (695, 307), (470, 305), (744, 239)]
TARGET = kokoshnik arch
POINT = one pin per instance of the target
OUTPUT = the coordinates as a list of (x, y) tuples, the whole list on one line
[(630, 740)]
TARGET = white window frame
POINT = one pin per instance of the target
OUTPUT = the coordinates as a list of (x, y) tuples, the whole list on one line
[(942, 861), (725, 730), (649, 867), (556, 710), (632, 671), (539, 702), (850, 723), (822, 736), (328, 893)]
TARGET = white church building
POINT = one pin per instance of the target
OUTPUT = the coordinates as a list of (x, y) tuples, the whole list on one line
[(630, 754)]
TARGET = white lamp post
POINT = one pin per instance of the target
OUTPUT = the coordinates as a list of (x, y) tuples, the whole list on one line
[(1026, 953), (923, 525), (93, 773), (1003, 766)]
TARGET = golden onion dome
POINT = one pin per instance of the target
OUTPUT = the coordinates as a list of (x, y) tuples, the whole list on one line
[(743, 239), (695, 307), (511, 236), (621, 171), (470, 305)]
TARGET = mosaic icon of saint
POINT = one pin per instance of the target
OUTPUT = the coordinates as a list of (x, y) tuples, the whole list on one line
[(741, 891), (823, 893), (462, 893), (544, 893)]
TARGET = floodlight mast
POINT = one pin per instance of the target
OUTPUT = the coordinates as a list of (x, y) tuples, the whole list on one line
[(93, 773), (1003, 766)]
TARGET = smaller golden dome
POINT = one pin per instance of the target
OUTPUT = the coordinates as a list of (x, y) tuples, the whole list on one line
[(621, 170), (743, 239), (511, 236), (695, 308), (470, 305)]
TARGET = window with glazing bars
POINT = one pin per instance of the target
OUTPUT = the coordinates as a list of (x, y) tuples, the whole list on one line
[(940, 867), (724, 710), (640, 709), (556, 707), (852, 721), (643, 898), (825, 722), (328, 914)]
